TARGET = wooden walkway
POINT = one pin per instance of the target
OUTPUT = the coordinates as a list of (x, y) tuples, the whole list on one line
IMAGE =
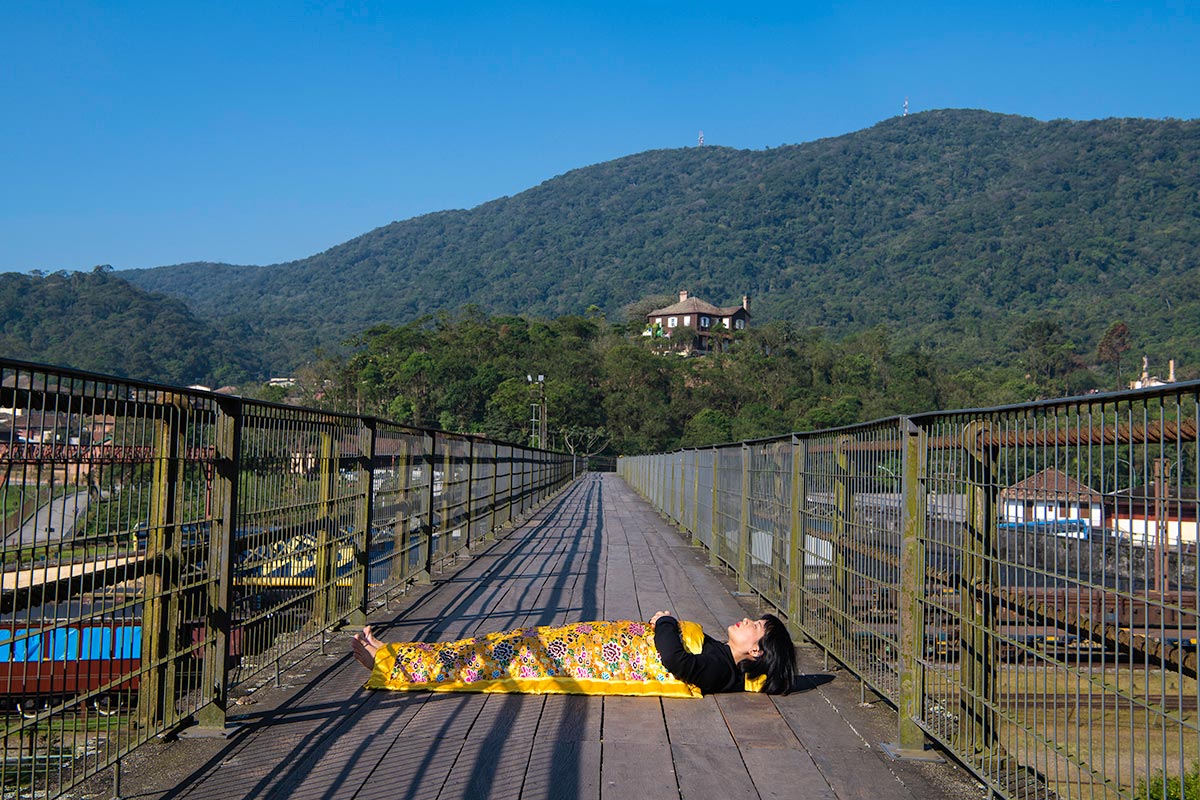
[(596, 551)]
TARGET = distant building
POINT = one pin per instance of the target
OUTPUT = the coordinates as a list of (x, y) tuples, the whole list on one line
[(710, 326), (1147, 380), (1051, 497), (1141, 512)]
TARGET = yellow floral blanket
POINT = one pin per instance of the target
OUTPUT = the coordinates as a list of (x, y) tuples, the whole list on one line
[(582, 658)]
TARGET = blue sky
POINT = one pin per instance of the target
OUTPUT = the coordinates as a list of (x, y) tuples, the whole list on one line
[(144, 134)]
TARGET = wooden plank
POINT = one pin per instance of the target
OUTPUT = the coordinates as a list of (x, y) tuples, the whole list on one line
[(852, 768), (571, 718), (555, 580), (620, 590), (563, 769), (445, 716), (642, 770), (587, 594), (488, 767), (634, 719), (414, 771), (494, 758), (696, 721), (755, 721), (707, 771), (789, 774)]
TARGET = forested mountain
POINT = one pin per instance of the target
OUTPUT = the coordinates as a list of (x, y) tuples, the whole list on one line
[(953, 228), (98, 322)]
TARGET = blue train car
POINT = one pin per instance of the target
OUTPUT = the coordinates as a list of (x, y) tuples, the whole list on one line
[(53, 660)]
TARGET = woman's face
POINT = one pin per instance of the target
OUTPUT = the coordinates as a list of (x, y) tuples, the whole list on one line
[(746, 636)]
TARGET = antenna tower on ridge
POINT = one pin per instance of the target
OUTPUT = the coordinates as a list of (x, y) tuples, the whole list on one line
[(700, 142), (906, 106)]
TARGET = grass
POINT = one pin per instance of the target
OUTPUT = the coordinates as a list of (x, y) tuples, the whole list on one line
[(1128, 747)]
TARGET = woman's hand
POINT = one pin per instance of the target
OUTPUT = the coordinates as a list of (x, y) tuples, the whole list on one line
[(657, 615)]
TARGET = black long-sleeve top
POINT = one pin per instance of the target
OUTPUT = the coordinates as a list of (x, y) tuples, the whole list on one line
[(712, 670)]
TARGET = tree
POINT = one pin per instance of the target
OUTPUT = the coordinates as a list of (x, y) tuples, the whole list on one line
[(683, 339), (582, 441), (1114, 342), (1048, 354), (708, 426)]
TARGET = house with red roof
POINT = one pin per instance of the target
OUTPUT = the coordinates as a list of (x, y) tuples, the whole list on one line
[(710, 326), (1053, 499)]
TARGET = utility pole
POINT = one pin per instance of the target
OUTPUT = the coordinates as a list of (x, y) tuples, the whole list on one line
[(537, 411)]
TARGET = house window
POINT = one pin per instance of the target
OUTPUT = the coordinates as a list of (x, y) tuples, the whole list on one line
[(672, 321), (740, 324), (727, 323), (704, 322), (658, 321), (687, 320)]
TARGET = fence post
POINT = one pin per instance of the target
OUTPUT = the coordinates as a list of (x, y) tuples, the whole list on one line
[(696, 542), (913, 530), (399, 567), (843, 519), (426, 573), (495, 472), (219, 623), (160, 616), (744, 524), (714, 556), (798, 524), (470, 490), (361, 583), (326, 557), (448, 459), (977, 642)]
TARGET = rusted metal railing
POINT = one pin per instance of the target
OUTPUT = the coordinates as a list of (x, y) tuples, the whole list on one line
[(161, 546), (1020, 582)]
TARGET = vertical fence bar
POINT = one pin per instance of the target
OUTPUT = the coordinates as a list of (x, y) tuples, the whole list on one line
[(797, 530), (843, 522), (159, 618), (426, 574), (326, 556), (364, 523), (495, 473), (977, 651), (470, 491), (696, 538), (399, 566), (714, 536), (743, 543), (224, 531), (913, 519)]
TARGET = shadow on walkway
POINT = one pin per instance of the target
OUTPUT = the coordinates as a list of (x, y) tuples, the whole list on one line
[(596, 551)]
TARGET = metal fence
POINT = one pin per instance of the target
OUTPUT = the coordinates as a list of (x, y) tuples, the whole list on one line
[(1019, 582), (163, 545)]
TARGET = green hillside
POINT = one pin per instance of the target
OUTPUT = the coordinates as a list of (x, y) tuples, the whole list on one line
[(950, 227), (98, 322)]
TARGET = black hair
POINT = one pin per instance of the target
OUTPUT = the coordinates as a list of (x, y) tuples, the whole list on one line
[(778, 659)]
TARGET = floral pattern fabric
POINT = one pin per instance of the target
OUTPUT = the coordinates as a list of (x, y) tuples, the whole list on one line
[(581, 658)]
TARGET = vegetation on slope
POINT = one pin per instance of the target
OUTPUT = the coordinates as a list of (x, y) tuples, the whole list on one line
[(953, 228), (468, 371), (95, 321)]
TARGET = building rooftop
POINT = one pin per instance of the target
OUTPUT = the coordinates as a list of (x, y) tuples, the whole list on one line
[(694, 305)]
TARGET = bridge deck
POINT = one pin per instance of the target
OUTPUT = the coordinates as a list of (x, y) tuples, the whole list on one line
[(594, 552)]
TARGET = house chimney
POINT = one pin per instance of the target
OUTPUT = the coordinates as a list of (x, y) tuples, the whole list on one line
[(683, 295), (746, 302)]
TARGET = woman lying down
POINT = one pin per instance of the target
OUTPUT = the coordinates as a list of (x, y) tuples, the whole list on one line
[(663, 657)]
